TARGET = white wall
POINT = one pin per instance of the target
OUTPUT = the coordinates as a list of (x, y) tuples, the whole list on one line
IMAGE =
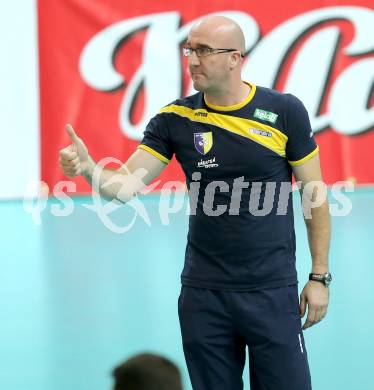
[(19, 100)]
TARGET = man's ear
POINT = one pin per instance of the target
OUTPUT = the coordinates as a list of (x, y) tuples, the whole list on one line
[(234, 58)]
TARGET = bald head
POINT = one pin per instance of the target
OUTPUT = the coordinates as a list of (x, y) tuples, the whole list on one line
[(219, 31), (219, 70)]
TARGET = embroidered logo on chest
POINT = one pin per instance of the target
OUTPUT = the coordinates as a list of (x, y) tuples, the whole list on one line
[(260, 132), (203, 142), (265, 115)]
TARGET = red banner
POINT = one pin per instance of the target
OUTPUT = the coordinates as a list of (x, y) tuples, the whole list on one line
[(108, 67)]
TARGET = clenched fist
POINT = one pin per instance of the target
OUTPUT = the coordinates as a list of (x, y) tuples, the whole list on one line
[(74, 159)]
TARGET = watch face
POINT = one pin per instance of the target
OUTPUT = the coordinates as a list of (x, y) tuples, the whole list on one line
[(328, 279)]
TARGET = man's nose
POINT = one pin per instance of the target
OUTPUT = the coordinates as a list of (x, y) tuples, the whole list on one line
[(193, 59)]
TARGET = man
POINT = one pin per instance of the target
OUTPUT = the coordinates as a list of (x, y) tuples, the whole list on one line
[(147, 372), (238, 145)]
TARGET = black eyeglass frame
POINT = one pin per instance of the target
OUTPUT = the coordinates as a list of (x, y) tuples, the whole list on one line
[(211, 50)]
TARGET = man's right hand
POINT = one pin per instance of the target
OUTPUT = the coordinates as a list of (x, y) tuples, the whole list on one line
[(122, 183), (74, 159)]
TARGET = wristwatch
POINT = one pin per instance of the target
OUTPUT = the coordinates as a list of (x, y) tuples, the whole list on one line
[(325, 279)]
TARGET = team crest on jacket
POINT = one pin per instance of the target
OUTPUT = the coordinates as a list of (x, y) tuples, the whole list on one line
[(203, 142)]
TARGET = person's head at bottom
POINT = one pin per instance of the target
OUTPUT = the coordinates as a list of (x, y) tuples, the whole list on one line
[(147, 372)]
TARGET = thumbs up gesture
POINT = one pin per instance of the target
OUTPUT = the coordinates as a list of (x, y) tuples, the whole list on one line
[(74, 159)]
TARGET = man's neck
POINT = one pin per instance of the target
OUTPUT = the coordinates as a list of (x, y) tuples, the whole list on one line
[(230, 96)]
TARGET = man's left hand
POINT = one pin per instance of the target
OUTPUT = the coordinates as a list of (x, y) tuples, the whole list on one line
[(316, 296)]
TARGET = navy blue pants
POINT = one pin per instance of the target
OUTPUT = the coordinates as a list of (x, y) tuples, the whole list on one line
[(217, 326)]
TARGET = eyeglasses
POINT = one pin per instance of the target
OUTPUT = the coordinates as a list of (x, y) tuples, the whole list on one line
[(205, 51)]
